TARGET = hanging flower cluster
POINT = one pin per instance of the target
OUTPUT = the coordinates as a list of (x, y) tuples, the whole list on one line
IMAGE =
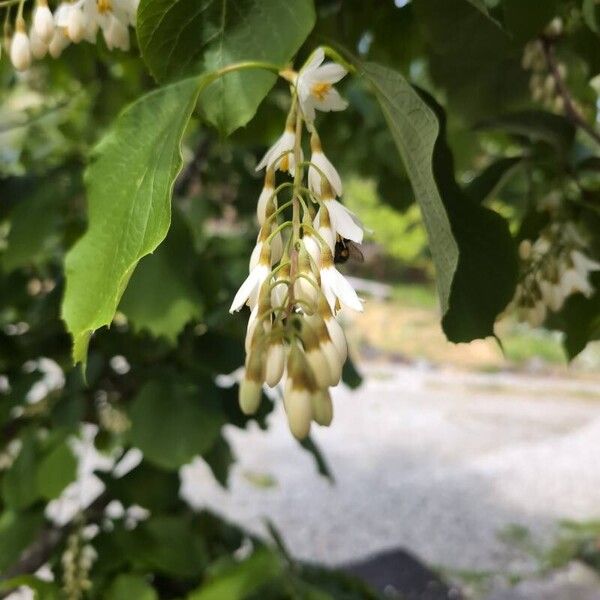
[(553, 268), (71, 22), (293, 289), (542, 82)]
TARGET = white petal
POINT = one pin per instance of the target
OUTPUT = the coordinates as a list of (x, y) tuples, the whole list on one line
[(330, 72), (583, 263), (261, 205), (20, 51), (312, 247), (345, 292), (318, 56), (43, 23), (330, 172), (338, 337), (342, 221), (249, 288), (332, 101), (255, 256)]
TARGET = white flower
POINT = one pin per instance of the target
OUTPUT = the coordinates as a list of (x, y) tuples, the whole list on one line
[(274, 363), (58, 43), (583, 264), (314, 176), (20, 50), (322, 407), (536, 314), (266, 195), (323, 224), (572, 281), (43, 22), (312, 247), (75, 23), (315, 86), (281, 154), (116, 34), (552, 295), (336, 287), (298, 408), (39, 47), (343, 221), (338, 337), (249, 290)]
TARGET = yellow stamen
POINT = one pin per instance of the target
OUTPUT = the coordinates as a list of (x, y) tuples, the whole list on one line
[(104, 6), (320, 90)]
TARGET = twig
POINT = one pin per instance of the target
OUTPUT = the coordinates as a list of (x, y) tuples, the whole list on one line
[(572, 113)]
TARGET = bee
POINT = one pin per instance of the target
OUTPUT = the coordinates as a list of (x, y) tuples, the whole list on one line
[(346, 250)]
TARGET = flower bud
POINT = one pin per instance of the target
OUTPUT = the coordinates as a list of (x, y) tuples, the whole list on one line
[(250, 395), (58, 43), (39, 48), (525, 249), (298, 408), (317, 361), (117, 35), (274, 363), (75, 24), (266, 199), (43, 22), (20, 51), (322, 407)]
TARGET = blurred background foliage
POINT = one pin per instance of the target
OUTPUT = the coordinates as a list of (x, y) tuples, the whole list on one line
[(152, 376)]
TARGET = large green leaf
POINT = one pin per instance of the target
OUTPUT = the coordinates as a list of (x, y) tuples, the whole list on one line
[(173, 422), (56, 470), (127, 587), (17, 531), (469, 243), (129, 190), (238, 581), (179, 37), (19, 486), (161, 297), (34, 224)]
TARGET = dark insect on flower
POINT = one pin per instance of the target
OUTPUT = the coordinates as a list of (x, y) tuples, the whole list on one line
[(346, 250)]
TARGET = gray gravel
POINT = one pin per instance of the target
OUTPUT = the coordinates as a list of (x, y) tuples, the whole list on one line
[(435, 462)]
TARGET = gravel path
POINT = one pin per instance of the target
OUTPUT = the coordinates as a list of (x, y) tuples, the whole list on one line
[(437, 463)]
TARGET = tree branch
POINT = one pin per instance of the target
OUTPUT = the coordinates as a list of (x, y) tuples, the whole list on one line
[(571, 111)]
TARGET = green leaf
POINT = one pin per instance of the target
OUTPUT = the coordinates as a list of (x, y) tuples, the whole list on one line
[(127, 587), (310, 446), (169, 545), (490, 179), (467, 241), (474, 65), (579, 319), (220, 458), (536, 125), (19, 488), (238, 581), (179, 37), (161, 297), (173, 422), (129, 189), (17, 531), (56, 470), (34, 224), (591, 14), (525, 19)]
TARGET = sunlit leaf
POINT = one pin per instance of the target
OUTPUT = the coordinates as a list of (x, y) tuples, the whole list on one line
[(181, 37)]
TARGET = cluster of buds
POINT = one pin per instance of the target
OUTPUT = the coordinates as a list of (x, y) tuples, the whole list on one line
[(553, 268), (71, 22), (294, 289), (543, 81), (77, 561)]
